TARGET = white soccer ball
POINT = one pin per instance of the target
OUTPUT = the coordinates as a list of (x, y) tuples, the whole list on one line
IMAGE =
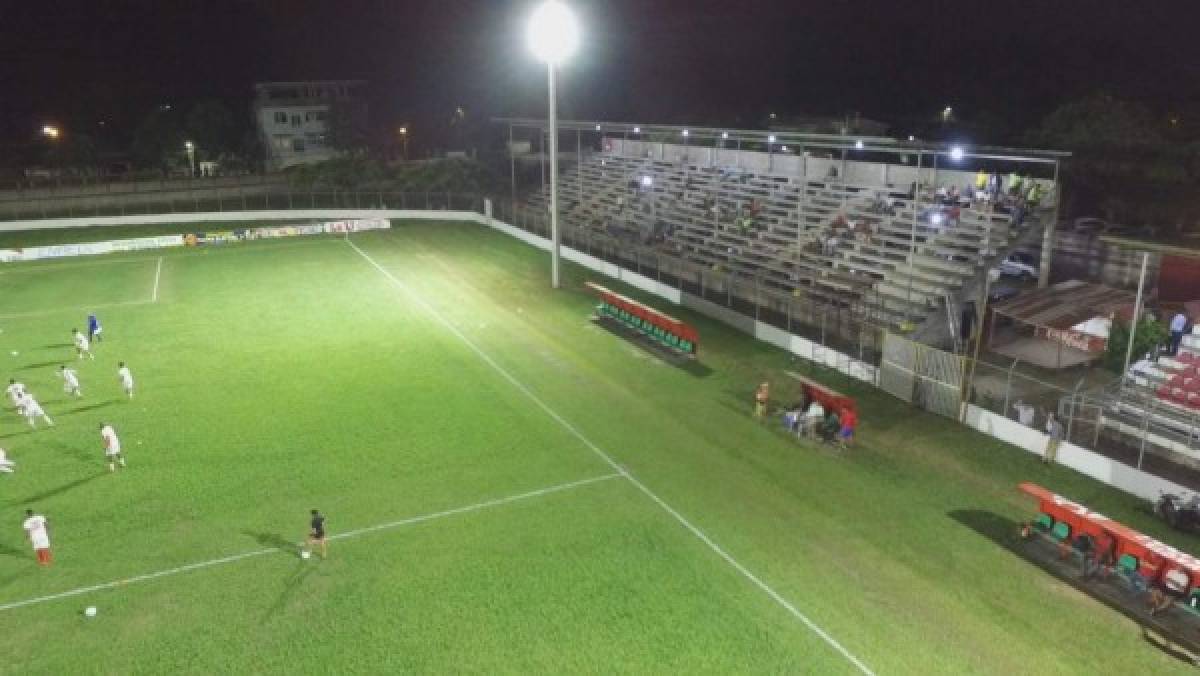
[(305, 554), (90, 611)]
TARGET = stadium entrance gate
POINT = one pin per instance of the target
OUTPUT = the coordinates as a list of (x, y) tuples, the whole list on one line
[(922, 375)]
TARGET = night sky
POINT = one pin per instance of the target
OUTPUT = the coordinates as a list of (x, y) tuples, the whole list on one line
[(698, 61)]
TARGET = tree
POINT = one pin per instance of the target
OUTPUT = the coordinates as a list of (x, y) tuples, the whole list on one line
[(158, 139), (1150, 334), (209, 125), (347, 126)]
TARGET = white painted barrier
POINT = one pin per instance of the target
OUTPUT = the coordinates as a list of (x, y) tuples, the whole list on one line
[(1116, 474)]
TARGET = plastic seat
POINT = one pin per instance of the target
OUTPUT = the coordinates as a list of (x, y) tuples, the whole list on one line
[(1061, 531), (1127, 564), (1044, 522)]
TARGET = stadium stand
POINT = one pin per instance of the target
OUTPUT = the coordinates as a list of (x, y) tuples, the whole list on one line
[(838, 241)]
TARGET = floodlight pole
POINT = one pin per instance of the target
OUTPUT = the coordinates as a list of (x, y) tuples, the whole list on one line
[(1133, 321), (554, 234)]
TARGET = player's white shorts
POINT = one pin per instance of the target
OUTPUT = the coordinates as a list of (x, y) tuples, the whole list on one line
[(70, 387), (40, 540), (128, 385), (34, 411), (111, 452)]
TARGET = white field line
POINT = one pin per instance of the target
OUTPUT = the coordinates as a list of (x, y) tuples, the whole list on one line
[(51, 264), (54, 311), (340, 536), (716, 548), (157, 276)]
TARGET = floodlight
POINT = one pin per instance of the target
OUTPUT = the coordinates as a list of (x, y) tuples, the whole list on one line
[(912, 138), (50, 131), (597, 127), (724, 134), (637, 130), (189, 145), (956, 153), (685, 132), (553, 33), (858, 145), (937, 218), (647, 181), (784, 149), (771, 138)]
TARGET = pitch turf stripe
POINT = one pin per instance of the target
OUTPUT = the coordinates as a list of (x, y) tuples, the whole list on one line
[(340, 536), (521, 387)]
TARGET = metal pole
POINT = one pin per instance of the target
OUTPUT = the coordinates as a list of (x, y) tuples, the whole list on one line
[(579, 166), (1145, 429), (1008, 386), (1137, 313), (554, 234), (970, 384), (1048, 235), (912, 252), (512, 169)]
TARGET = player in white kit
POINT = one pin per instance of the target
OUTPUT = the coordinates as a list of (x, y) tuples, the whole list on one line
[(32, 410), (82, 346), (112, 447), (6, 465), (126, 378), (14, 391), (70, 381), (35, 528)]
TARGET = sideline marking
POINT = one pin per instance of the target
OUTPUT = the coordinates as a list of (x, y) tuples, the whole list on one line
[(776, 596), (78, 308), (497, 502), (157, 275)]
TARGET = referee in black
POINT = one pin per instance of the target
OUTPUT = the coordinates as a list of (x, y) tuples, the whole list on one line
[(316, 533)]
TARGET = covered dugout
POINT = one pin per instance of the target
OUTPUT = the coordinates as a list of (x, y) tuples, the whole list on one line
[(1059, 326)]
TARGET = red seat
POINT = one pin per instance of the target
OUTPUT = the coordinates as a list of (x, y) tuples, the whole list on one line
[(1186, 358), (1193, 401), (1179, 395), (1163, 391)]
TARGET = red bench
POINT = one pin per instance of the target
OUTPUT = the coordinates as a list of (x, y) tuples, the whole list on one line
[(664, 329)]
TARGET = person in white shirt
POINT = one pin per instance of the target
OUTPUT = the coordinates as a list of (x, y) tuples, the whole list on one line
[(31, 409), (7, 466), (1178, 325), (70, 381), (82, 347), (126, 378), (112, 447), (14, 391), (813, 418), (1025, 413), (35, 529)]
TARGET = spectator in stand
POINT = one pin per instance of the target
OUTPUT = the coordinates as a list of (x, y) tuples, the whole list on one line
[(813, 418), (1178, 325), (1014, 183), (1055, 429), (981, 180), (1025, 413), (849, 421), (761, 397)]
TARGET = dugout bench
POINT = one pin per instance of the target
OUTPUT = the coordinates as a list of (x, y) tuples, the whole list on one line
[(665, 330)]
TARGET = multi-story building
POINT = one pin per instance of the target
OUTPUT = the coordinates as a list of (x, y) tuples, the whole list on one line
[(294, 118)]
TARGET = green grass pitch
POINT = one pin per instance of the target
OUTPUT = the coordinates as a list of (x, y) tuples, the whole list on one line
[(450, 414)]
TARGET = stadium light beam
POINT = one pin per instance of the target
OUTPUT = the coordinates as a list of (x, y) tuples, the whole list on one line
[(956, 153), (553, 36), (858, 145), (647, 181), (51, 132)]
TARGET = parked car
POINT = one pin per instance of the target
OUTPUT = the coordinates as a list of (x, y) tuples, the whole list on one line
[(1020, 265), (999, 294), (1090, 226)]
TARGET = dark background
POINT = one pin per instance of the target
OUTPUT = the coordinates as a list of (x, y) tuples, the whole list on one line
[(1001, 65)]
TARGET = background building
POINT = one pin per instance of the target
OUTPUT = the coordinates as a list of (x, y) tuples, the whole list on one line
[(306, 122)]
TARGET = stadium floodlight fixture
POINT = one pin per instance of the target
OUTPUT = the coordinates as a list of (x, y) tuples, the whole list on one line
[(597, 127), (647, 181), (553, 32), (956, 153), (858, 145), (771, 138), (912, 138), (189, 146), (724, 134), (50, 131), (637, 130), (783, 149), (937, 218), (553, 36), (685, 133)]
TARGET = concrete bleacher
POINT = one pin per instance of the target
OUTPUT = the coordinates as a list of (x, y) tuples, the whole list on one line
[(892, 254), (1174, 380)]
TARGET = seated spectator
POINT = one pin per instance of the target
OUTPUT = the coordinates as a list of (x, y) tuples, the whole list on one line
[(846, 434), (813, 419), (831, 427)]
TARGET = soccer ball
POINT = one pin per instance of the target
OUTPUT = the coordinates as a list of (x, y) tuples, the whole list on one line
[(90, 611), (305, 554)]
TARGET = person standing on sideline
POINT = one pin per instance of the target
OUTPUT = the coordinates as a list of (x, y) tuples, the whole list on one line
[(849, 421), (761, 396), (82, 346), (94, 329), (1055, 429), (70, 380), (813, 418), (1025, 413), (35, 529), (316, 533), (1178, 325), (112, 447), (126, 378)]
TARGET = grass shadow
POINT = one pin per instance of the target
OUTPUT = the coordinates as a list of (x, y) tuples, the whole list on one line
[(689, 365), (40, 364), (290, 587), (59, 490), (56, 345), (6, 550), (91, 407), (272, 540), (16, 434)]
